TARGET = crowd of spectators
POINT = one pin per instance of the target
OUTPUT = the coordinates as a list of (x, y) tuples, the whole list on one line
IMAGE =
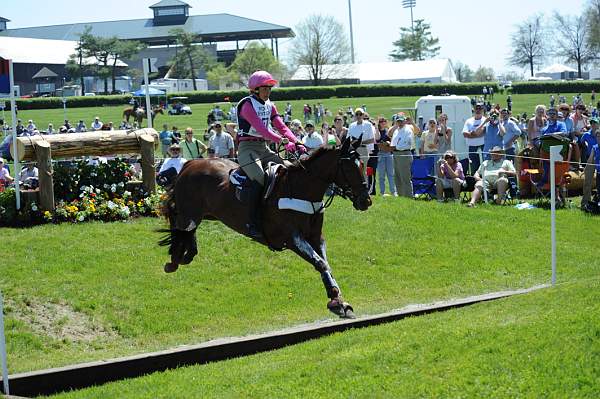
[(494, 137)]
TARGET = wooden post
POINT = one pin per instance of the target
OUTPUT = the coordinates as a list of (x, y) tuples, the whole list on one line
[(147, 161), (44, 165)]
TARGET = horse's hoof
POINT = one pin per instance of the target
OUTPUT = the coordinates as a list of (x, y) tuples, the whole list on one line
[(341, 309), (171, 267)]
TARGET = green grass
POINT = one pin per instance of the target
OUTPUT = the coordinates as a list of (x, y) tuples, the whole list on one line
[(544, 344), (399, 252), (375, 105)]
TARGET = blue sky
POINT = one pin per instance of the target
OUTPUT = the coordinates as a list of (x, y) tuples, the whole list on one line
[(473, 32)]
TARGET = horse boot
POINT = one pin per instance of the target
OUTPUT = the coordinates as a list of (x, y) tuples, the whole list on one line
[(254, 212)]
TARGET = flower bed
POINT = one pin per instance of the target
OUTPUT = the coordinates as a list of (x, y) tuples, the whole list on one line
[(85, 192)]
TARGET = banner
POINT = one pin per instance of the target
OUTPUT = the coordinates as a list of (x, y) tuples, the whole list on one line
[(4, 77)]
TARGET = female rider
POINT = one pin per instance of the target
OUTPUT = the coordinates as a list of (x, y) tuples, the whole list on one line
[(257, 116)]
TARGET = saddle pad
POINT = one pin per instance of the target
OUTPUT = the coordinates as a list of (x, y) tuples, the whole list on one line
[(236, 178), (299, 205)]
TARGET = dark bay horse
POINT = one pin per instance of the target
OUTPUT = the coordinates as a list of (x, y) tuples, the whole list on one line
[(203, 191), (140, 114)]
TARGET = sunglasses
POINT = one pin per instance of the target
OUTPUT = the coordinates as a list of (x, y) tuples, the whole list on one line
[(337, 120)]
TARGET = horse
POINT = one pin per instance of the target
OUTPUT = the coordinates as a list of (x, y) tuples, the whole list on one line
[(140, 113), (202, 191)]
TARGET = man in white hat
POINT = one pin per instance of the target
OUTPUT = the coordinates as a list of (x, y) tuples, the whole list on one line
[(493, 174), (96, 124)]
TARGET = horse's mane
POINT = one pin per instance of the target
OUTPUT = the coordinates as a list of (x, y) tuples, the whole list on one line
[(299, 165)]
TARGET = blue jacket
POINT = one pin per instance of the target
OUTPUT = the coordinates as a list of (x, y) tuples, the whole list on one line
[(558, 127), (589, 143)]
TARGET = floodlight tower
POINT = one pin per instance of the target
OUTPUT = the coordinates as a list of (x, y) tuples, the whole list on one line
[(410, 4), (351, 34)]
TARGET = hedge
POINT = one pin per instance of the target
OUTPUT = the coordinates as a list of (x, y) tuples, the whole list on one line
[(562, 86), (322, 92)]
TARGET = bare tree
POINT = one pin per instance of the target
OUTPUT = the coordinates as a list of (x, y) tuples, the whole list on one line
[(528, 43), (320, 41), (573, 40)]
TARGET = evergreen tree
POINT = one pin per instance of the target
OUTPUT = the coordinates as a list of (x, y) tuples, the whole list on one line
[(415, 44)]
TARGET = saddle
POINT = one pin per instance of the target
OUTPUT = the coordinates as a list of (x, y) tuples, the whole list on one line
[(239, 179)]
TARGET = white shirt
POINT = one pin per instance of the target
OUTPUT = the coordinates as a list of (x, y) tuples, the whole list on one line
[(403, 138), (313, 141), (365, 129), (471, 125), (176, 163), (221, 144), (96, 125)]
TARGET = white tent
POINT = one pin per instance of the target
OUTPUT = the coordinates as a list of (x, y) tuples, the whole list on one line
[(428, 71), (556, 72)]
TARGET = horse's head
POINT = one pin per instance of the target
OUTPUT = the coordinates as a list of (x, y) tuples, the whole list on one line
[(349, 176)]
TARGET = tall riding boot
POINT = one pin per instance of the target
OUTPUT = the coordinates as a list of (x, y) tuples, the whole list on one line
[(254, 210)]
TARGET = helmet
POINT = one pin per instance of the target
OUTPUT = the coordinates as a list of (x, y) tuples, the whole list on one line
[(261, 78)]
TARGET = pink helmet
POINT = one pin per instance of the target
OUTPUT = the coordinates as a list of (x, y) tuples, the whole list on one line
[(261, 78)]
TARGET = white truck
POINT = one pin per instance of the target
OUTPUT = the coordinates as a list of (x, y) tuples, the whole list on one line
[(458, 109)]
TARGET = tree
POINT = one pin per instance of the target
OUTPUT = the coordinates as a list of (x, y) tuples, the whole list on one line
[(573, 40), (123, 49), (100, 48), (220, 76), (528, 43), (191, 57), (463, 72), (75, 65), (320, 41), (593, 22), (483, 74), (255, 57), (415, 44)]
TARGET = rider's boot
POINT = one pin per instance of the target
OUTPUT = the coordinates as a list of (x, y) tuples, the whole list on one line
[(254, 205)]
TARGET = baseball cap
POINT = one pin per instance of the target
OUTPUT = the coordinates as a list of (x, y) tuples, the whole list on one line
[(359, 110), (594, 119), (296, 122), (399, 117), (309, 123)]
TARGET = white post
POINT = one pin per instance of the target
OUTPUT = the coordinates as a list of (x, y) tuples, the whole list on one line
[(554, 156), (13, 111), (64, 101), (3, 350), (146, 62)]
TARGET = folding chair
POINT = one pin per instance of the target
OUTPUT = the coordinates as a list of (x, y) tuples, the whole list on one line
[(540, 181), (422, 180)]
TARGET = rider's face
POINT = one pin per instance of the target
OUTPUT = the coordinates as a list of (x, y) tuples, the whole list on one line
[(264, 92)]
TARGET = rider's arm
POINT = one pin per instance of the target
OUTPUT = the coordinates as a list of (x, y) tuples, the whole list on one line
[(249, 114), (278, 124)]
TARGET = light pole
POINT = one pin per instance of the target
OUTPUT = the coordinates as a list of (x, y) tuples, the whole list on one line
[(351, 34), (410, 4), (64, 100)]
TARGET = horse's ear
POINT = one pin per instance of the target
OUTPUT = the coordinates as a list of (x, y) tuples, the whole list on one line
[(345, 145), (357, 143)]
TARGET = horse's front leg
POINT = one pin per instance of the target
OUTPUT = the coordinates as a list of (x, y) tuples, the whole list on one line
[(319, 260)]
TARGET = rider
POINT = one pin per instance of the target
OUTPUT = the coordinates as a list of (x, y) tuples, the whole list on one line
[(257, 116)]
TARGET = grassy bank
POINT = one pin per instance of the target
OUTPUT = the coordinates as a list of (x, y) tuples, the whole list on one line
[(109, 278)]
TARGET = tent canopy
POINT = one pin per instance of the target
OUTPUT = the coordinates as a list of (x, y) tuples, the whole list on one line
[(151, 91)]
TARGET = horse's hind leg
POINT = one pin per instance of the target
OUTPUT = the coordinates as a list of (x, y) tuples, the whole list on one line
[(191, 247), (336, 304)]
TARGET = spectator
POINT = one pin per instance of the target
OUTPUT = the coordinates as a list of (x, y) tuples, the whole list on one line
[(217, 113), (509, 103), (31, 129), (191, 148), (176, 134), (473, 137), (402, 138), (593, 97), (29, 176), (233, 114), (429, 142), (535, 126), (174, 161), (561, 99), (296, 128), (166, 139), (5, 177), (220, 144), (307, 112), (371, 169), (491, 133), (318, 113), (444, 134), (20, 128), (96, 124), (591, 155), (450, 174), (385, 159), (313, 140), (485, 92), (330, 140), (50, 129), (491, 92), (553, 125), (509, 131), (552, 100), (81, 128), (124, 125), (288, 109), (493, 174), (338, 127), (362, 129)]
